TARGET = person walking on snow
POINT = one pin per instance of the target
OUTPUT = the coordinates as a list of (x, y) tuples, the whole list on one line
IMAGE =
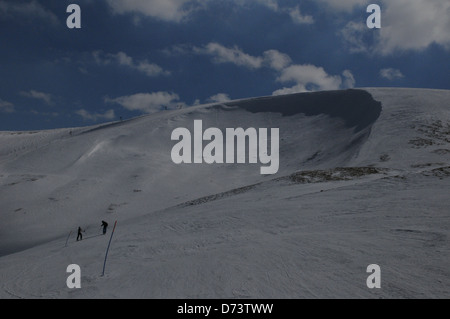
[(80, 236), (105, 226)]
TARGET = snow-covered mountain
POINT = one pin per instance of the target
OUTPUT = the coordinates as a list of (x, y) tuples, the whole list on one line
[(363, 179)]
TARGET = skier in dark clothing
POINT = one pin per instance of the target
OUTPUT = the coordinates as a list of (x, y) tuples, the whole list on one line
[(80, 236), (105, 226)]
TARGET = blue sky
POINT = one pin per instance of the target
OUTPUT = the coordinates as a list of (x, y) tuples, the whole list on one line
[(133, 57)]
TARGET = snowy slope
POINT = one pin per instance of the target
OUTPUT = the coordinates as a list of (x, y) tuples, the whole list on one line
[(359, 183)]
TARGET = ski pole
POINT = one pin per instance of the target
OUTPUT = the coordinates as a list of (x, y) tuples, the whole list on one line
[(107, 249)]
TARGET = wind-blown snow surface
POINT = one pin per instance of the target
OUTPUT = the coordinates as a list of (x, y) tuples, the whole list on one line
[(363, 179)]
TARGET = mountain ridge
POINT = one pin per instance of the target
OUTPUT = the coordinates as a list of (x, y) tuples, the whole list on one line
[(364, 189)]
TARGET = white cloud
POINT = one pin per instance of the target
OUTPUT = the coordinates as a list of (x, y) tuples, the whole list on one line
[(296, 15), (148, 102), (88, 116), (179, 10), (354, 34), (306, 77), (298, 18), (45, 97), (122, 59), (6, 107), (405, 26), (166, 10), (391, 74), (312, 78), (177, 50), (348, 79), (345, 5), (27, 10), (276, 60), (414, 25), (310, 75), (150, 69), (271, 4), (299, 88), (219, 98), (102, 59), (222, 54), (174, 10)]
